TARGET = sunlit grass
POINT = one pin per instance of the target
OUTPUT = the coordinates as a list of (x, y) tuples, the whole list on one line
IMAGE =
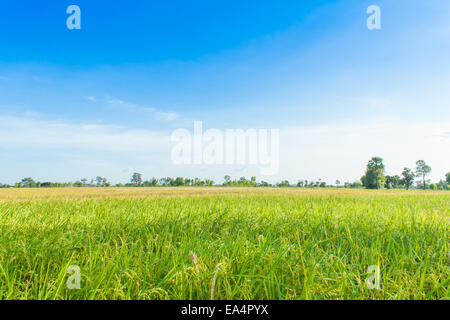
[(262, 243)]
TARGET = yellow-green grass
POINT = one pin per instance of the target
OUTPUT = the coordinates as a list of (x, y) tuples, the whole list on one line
[(136, 243)]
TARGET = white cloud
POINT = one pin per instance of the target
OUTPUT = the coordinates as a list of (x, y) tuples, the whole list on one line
[(157, 114), (25, 132), (167, 116), (313, 152), (91, 98)]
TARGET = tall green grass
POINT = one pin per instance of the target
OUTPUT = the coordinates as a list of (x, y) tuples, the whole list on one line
[(260, 246)]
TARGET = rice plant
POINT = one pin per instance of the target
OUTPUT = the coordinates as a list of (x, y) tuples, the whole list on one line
[(223, 243)]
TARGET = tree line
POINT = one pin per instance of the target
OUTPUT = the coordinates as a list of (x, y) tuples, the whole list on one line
[(374, 178)]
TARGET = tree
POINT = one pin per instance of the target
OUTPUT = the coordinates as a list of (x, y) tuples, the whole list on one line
[(374, 176), (27, 183), (264, 184), (447, 178), (353, 185), (105, 183), (318, 183), (284, 184), (99, 181), (78, 184), (408, 178), (136, 179), (179, 182), (392, 182), (422, 170)]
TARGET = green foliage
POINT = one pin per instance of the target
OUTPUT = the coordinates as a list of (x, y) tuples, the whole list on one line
[(353, 185), (393, 182), (136, 179), (242, 182), (374, 177), (422, 170), (27, 183), (408, 178), (283, 184)]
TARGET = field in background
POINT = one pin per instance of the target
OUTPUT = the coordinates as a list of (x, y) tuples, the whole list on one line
[(257, 243)]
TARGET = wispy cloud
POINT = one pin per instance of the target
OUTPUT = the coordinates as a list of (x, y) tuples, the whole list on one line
[(157, 114), (308, 152), (23, 132), (91, 98)]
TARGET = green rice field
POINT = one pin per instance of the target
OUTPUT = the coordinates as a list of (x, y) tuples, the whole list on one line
[(224, 243)]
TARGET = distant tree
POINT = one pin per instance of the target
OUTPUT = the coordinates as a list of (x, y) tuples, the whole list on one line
[(99, 181), (408, 178), (27, 183), (433, 186), (353, 185), (300, 184), (136, 179), (374, 177), (284, 184), (441, 185), (151, 183), (264, 184), (179, 182), (422, 170), (392, 182), (447, 178), (162, 181), (338, 183), (78, 184), (105, 183)]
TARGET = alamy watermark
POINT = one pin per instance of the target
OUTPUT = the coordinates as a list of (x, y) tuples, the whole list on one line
[(374, 280), (228, 147), (74, 280), (374, 20), (74, 20)]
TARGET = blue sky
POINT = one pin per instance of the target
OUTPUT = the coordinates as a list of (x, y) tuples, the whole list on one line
[(103, 100)]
